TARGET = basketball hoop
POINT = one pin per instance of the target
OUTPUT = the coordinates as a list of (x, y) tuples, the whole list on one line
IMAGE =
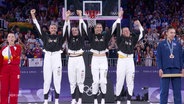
[(91, 17)]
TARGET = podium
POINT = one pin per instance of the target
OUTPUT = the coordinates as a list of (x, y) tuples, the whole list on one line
[(172, 75)]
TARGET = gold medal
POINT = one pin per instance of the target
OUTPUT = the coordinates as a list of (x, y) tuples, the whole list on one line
[(171, 56)]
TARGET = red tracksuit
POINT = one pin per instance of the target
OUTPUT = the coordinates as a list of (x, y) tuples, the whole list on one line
[(10, 74)]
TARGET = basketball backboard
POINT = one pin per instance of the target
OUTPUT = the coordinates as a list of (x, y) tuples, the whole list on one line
[(107, 9)]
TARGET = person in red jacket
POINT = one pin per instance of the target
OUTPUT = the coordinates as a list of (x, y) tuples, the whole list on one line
[(10, 71)]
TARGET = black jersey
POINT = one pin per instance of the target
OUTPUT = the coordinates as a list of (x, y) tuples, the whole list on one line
[(99, 42), (127, 44), (76, 42), (52, 43)]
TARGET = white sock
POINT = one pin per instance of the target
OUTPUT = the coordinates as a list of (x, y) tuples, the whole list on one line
[(95, 101), (73, 101), (79, 101), (118, 102), (56, 101), (128, 102), (103, 101), (45, 101)]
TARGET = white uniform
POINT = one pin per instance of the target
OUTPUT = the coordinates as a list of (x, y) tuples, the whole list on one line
[(51, 66), (76, 73), (125, 63), (125, 69), (99, 69), (76, 65), (52, 62), (99, 63)]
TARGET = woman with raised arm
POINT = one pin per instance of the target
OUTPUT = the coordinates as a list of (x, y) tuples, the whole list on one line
[(52, 60), (76, 65), (126, 42)]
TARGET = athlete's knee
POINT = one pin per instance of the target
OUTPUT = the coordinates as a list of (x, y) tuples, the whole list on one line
[(47, 78), (95, 79), (103, 81), (103, 85), (57, 82), (73, 85), (80, 83), (95, 86), (130, 85), (47, 83)]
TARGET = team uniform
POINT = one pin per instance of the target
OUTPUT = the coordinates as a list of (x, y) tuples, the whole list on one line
[(99, 62), (10, 74), (52, 61), (170, 65), (76, 65), (125, 63)]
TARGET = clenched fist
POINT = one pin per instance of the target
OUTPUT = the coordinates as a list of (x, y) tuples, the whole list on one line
[(137, 22), (79, 12), (68, 13), (33, 11), (120, 13)]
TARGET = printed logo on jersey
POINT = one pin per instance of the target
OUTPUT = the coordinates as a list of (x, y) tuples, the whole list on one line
[(75, 39), (99, 40), (128, 42), (52, 40)]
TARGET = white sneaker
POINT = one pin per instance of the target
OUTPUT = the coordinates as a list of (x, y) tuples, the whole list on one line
[(56, 101), (128, 102), (103, 101), (79, 101), (73, 101), (45, 102), (95, 101), (118, 102)]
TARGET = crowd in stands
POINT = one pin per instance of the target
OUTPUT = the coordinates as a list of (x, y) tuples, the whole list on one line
[(155, 16)]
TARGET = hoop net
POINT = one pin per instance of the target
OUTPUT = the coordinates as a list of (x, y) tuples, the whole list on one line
[(91, 17)]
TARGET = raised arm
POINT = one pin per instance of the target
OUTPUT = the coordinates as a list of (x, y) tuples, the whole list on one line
[(33, 11), (67, 24), (139, 26), (82, 24), (118, 21)]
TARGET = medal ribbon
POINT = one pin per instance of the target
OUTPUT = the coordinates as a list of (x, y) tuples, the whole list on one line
[(170, 47)]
